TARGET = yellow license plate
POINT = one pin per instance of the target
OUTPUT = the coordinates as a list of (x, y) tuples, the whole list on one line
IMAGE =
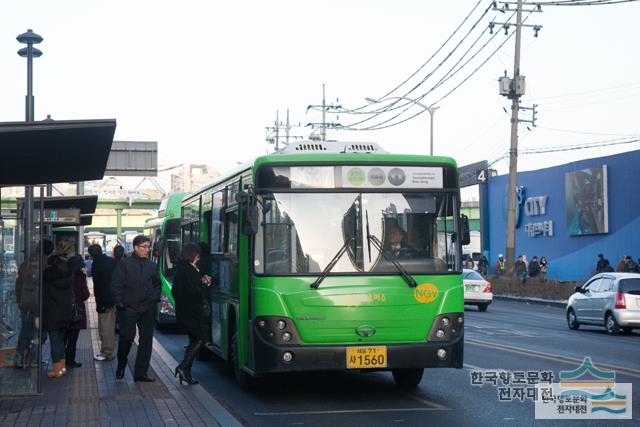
[(366, 357)]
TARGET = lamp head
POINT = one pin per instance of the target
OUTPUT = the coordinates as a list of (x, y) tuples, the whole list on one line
[(29, 37), (35, 52)]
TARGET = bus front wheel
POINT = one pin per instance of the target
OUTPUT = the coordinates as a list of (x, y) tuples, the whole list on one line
[(243, 379), (407, 378)]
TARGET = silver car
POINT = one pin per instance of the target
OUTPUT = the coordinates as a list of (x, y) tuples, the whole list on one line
[(611, 300), (477, 290)]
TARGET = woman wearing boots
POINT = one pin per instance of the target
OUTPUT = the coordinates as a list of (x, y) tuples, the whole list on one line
[(192, 309), (57, 310)]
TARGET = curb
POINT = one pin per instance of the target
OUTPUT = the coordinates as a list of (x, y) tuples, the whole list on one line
[(210, 403), (538, 301)]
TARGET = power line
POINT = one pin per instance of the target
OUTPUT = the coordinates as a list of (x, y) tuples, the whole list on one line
[(588, 92), (588, 133), (559, 148), (393, 106), (378, 126), (448, 75), (582, 3), (432, 56)]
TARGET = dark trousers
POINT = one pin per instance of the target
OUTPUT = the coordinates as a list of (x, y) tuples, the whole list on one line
[(145, 322), (25, 350), (70, 342)]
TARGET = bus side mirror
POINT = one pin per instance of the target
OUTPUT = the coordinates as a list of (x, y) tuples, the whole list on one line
[(156, 249), (250, 224), (250, 220), (464, 230)]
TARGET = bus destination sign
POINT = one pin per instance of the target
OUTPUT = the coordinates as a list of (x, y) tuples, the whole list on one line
[(363, 176)]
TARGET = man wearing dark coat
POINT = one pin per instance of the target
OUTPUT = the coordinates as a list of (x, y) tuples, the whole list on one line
[(102, 273), (136, 290)]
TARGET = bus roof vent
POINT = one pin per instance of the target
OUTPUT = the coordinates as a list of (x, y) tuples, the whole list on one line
[(299, 147)]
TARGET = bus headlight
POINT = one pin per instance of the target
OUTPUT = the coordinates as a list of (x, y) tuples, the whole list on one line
[(446, 327), (277, 330)]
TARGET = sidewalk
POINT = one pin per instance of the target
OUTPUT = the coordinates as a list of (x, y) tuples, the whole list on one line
[(91, 395)]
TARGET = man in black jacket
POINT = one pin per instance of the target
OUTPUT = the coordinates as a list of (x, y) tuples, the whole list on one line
[(102, 271), (136, 289)]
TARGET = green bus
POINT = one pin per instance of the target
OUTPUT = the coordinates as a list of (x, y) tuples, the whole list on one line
[(164, 232), (334, 256)]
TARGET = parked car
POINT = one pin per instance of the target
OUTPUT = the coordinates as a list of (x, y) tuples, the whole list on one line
[(477, 291), (611, 300)]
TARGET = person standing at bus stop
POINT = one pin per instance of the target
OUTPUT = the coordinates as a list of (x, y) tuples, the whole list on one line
[(102, 273), (136, 290), (192, 306)]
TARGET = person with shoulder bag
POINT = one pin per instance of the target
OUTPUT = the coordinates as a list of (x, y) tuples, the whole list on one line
[(189, 292), (57, 310)]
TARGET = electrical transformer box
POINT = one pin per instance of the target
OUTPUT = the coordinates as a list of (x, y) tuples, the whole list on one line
[(505, 85), (519, 85)]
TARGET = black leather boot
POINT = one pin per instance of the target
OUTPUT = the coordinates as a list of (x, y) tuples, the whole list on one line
[(183, 370)]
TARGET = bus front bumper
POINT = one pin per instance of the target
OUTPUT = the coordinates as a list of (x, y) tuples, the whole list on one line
[(270, 358)]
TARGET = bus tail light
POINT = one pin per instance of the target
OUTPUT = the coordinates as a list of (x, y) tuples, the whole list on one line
[(620, 301)]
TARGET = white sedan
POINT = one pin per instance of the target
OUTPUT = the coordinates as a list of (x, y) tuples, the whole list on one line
[(477, 291)]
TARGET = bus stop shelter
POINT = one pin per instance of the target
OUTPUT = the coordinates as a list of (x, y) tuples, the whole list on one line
[(35, 154)]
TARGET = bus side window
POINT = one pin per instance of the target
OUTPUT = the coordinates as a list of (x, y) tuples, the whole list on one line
[(231, 231), (217, 234)]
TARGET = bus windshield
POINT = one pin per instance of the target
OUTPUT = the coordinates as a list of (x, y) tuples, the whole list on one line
[(300, 233)]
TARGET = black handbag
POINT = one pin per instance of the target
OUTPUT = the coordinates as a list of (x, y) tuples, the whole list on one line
[(206, 308)]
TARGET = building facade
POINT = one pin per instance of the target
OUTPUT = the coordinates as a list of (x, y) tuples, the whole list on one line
[(571, 213)]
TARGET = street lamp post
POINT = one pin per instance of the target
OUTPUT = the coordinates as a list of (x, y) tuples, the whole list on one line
[(29, 38), (431, 109)]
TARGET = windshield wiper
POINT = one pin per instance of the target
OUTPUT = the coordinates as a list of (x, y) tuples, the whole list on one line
[(353, 239), (332, 263), (376, 242)]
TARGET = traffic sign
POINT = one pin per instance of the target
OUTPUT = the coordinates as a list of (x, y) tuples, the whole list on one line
[(473, 174)]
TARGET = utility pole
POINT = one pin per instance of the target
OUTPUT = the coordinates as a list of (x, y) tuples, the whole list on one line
[(324, 125), (323, 130), (514, 88), (277, 128), (513, 150), (273, 132), (286, 129)]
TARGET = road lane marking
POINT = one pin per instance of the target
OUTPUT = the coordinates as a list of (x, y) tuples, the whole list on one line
[(473, 367), (344, 411), (426, 402), (550, 356)]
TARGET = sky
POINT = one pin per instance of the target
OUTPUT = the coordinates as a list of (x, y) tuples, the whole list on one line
[(204, 78)]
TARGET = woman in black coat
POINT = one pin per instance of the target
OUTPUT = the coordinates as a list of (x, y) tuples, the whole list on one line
[(57, 310), (192, 308)]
